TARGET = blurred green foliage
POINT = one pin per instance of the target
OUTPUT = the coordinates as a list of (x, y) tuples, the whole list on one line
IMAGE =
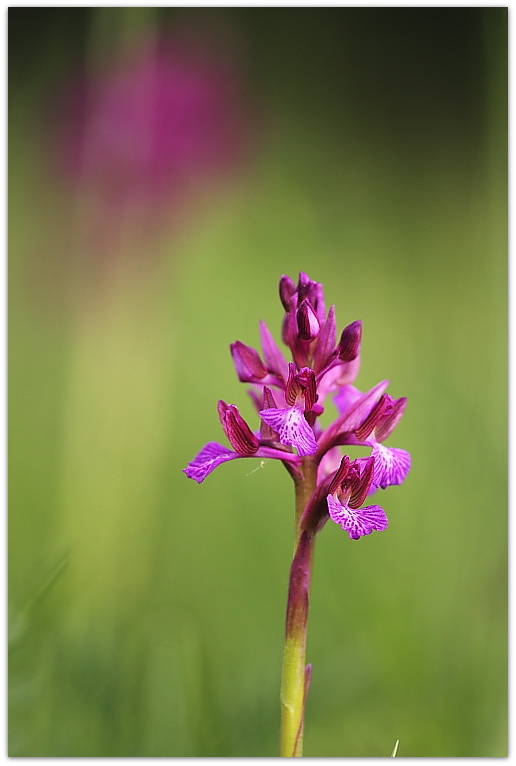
[(146, 612)]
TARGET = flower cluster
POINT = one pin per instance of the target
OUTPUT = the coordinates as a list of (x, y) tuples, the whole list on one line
[(290, 398)]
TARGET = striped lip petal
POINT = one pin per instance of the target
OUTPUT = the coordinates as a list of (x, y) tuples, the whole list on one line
[(391, 465), (360, 522), (292, 428)]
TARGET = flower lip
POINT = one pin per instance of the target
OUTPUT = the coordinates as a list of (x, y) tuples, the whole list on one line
[(392, 466), (292, 428), (357, 522), (347, 492)]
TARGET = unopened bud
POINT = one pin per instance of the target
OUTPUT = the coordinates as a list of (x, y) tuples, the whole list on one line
[(307, 322), (248, 363), (287, 288), (303, 286), (349, 345)]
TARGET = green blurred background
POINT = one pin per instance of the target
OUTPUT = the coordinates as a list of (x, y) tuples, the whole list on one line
[(146, 612)]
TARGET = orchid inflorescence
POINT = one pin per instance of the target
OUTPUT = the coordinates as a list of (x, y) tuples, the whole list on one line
[(290, 398)]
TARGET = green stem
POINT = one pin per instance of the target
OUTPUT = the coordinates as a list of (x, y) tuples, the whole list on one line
[(296, 676)]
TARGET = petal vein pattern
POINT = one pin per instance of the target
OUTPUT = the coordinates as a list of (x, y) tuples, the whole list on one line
[(357, 523), (210, 457), (292, 428), (391, 465)]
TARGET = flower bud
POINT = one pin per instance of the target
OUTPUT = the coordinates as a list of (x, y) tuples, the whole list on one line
[(307, 322), (303, 286), (289, 330), (249, 366), (349, 344), (287, 288)]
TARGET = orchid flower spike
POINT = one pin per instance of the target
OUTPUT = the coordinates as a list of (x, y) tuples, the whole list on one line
[(289, 398)]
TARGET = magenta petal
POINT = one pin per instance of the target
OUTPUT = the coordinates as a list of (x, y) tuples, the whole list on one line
[(274, 359), (349, 371), (307, 322), (391, 466), (337, 512), (349, 344), (249, 366), (357, 522), (292, 428), (385, 429), (329, 463), (346, 397), (372, 517), (361, 407), (209, 458), (326, 343)]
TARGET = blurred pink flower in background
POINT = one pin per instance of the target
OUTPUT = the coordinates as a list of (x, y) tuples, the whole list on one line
[(156, 122)]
